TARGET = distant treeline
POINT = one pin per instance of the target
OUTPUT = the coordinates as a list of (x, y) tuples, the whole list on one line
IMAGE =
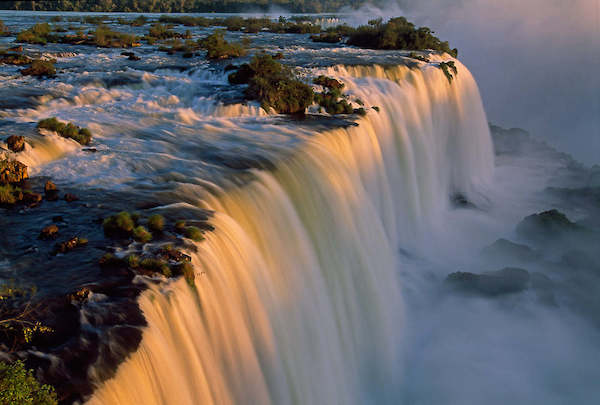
[(181, 6)]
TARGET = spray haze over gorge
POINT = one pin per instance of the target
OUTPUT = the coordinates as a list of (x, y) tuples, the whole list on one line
[(308, 209)]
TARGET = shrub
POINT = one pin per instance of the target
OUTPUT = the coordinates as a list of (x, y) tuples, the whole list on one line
[(38, 34), (218, 48), (156, 266), (106, 38), (69, 130), (327, 37), (180, 226), (40, 68), (447, 67), (397, 33), (108, 260), (274, 85), (19, 386), (3, 29), (141, 234), (133, 261), (9, 194), (194, 233), (160, 31), (120, 224), (156, 223), (185, 269)]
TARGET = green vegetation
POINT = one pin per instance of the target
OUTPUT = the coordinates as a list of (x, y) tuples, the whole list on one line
[(397, 33), (38, 34), (3, 29), (120, 224), (186, 270), (332, 99), (104, 37), (414, 55), (14, 59), (327, 37), (19, 386), (193, 233), (159, 31), (156, 266), (40, 68), (448, 68), (156, 223), (141, 234), (218, 48), (68, 130), (10, 194), (274, 85)]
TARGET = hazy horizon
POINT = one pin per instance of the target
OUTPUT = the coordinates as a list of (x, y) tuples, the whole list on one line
[(536, 62)]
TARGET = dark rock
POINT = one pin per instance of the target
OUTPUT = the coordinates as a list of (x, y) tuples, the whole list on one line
[(69, 245), (90, 150), (126, 53), (12, 171), (32, 199), (506, 281), (58, 218), (71, 197), (50, 191), (18, 48), (51, 231), (134, 58), (504, 249), (546, 225), (16, 143)]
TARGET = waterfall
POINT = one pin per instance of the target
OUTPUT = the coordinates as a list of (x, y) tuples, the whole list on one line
[(297, 297)]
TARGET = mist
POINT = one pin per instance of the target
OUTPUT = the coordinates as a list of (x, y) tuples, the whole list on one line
[(536, 62)]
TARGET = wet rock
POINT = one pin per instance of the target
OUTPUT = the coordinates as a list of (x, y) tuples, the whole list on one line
[(50, 191), (16, 143), (12, 171), (503, 249), (74, 242), (32, 199), (546, 225), (90, 150), (18, 48), (505, 281), (51, 231), (71, 197)]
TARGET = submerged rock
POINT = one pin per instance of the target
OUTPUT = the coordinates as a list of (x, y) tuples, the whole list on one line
[(505, 281), (503, 249), (51, 191), (51, 231)]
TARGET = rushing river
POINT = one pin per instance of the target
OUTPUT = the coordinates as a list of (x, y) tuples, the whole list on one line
[(323, 279)]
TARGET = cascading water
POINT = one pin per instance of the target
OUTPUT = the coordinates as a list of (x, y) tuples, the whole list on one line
[(297, 298)]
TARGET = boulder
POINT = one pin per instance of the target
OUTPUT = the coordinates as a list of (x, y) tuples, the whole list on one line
[(51, 191), (12, 171), (16, 143), (546, 225), (504, 249), (51, 231), (495, 283), (32, 199)]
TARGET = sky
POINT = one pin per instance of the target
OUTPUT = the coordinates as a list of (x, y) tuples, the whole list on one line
[(537, 62)]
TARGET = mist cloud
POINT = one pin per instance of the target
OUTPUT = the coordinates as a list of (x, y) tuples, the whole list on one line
[(536, 61)]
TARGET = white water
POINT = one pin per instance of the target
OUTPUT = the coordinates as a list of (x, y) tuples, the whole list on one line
[(297, 296)]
